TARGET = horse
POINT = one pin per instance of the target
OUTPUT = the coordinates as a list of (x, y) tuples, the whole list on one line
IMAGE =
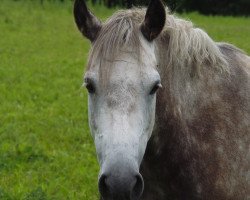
[(168, 108)]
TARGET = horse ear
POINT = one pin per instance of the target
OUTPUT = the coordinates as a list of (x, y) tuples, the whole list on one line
[(86, 22), (154, 20)]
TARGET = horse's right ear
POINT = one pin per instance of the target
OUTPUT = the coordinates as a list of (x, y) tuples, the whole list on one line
[(86, 22), (154, 20)]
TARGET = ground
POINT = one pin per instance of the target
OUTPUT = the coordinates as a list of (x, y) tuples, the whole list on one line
[(46, 151)]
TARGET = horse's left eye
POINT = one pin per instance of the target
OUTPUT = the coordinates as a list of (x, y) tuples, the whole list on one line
[(155, 88)]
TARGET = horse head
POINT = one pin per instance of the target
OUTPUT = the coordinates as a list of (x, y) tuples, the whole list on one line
[(122, 81)]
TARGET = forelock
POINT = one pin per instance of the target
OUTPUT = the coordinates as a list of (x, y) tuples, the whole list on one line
[(119, 34)]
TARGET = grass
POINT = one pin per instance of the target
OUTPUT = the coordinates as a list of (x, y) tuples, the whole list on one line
[(46, 151)]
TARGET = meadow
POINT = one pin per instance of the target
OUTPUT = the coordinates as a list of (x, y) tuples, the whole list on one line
[(46, 151)]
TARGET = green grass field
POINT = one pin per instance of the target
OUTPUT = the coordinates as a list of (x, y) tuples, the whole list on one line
[(46, 152)]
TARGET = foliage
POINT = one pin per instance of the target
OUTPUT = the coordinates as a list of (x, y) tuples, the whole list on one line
[(214, 7), (207, 7), (46, 151)]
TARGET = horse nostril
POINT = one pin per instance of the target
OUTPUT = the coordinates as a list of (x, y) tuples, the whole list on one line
[(103, 188), (137, 188)]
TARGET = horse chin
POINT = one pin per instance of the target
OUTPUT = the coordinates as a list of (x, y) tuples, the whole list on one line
[(119, 197)]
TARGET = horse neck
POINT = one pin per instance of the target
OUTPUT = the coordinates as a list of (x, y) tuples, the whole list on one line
[(187, 63), (176, 102), (175, 80)]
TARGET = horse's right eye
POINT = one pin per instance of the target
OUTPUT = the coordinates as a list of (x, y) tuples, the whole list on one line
[(90, 87), (155, 88)]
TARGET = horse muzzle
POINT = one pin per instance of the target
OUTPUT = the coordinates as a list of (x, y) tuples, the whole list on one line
[(121, 182)]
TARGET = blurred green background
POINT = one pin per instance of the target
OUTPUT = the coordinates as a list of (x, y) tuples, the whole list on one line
[(46, 151)]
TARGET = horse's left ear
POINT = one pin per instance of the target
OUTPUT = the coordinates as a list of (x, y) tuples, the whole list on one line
[(154, 20), (86, 22)]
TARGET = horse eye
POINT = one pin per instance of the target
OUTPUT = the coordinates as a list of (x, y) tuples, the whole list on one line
[(90, 87), (155, 88)]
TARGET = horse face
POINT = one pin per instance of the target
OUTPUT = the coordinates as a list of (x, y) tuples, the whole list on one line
[(121, 104), (121, 118)]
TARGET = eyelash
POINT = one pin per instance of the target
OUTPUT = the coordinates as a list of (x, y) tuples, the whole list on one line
[(155, 88)]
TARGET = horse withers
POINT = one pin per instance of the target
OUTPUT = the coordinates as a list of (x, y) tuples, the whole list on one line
[(169, 109)]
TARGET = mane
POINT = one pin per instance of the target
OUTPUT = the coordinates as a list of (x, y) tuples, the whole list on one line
[(189, 47), (183, 45)]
